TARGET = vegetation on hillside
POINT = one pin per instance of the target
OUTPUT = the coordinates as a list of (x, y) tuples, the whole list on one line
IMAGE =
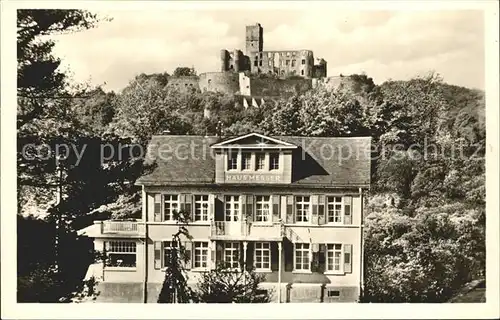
[(425, 219)]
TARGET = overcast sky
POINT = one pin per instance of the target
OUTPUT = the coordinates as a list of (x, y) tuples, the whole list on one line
[(383, 44)]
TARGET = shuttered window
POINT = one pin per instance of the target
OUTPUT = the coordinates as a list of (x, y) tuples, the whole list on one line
[(334, 209), (262, 208), (302, 208), (231, 254), (302, 257), (201, 205), (171, 206), (334, 257), (200, 255)]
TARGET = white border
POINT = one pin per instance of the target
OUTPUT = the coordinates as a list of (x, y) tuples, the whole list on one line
[(9, 307)]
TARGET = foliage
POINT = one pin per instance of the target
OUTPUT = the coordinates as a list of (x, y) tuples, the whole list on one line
[(184, 71), (223, 285), (175, 288)]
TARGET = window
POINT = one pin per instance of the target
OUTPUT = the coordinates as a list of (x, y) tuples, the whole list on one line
[(293, 63), (302, 206), (201, 208), (303, 61), (274, 161), (262, 255), (302, 257), (334, 257), (232, 161), (334, 207), (262, 211), (168, 247), (333, 293), (260, 160), (232, 208), (287, 62), (231, 254), (302, 72), (171, 206), (270, 63), (245, 161), (260, 63), (256, 63), (121, 254), (200, 254), (288, 54)]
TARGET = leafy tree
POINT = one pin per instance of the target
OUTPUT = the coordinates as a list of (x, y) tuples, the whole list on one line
[(184, 71), (223, 285)]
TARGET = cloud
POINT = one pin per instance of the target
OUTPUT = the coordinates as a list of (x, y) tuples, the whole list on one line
[(383, 44)]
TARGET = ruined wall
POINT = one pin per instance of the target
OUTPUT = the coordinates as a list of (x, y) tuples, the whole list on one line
[(184, 83), (334, 82), (283, 63), (270, 87), (225, 82)]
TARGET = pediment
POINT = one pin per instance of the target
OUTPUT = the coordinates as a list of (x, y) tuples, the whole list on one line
[(254, 140)]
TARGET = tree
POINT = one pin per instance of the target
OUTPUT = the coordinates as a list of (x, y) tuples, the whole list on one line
[(184, 71), (223, 285), (175, 288)]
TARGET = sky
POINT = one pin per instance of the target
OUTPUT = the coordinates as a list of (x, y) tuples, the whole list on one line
[(384, 45)]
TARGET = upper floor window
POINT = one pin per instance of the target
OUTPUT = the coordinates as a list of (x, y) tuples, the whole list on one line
[(201, 208), (262, 208), (256, 63), (232, 161), (260, 160), (274, 161), (293, 63), (121, 254), (246, 161), (171, 205), (303, 61), (232, 208), (302, 206), (287, 62), (334, 209)]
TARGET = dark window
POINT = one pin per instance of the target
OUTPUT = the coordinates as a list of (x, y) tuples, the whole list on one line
[(302, 72), (333, 293), (255, 63), (303, 61), (260, 63), (293, 63)]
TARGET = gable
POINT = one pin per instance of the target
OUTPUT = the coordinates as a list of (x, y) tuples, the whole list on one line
[(254, 140)]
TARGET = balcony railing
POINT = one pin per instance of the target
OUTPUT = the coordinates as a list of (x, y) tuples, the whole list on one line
[(247, 229), (124, 227)]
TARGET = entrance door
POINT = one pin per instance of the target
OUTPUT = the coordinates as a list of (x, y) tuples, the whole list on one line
[(232, 215)]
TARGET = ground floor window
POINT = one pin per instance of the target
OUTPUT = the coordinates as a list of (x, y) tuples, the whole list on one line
[(302, 261), (231, 254), (334, 257), (262, 255), (121, 254), (200, 254)]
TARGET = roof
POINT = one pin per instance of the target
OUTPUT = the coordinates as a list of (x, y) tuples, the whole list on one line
[(316, 161)]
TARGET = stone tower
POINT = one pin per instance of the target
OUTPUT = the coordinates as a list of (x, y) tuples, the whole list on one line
[(254, 39)]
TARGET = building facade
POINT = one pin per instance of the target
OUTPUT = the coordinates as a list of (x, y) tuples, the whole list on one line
[(289, 207)]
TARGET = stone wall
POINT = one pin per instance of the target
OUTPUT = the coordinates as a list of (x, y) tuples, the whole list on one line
[(271, 87), (225, 82), (184, 83)]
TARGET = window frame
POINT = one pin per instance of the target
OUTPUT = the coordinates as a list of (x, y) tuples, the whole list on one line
[(200, 251), (262, 202), (232, 246), (302, 203), (170, 201), (108, 251), (308, 254), (334, 203), (244, 157), (262, 250), (164, 248), (232, 161), (274, 156), (341, 258), (203, 207), (260, 158), (234, 207)]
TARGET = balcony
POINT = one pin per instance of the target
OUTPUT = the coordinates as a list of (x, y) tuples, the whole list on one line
[(243, 230), (121, 228)]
